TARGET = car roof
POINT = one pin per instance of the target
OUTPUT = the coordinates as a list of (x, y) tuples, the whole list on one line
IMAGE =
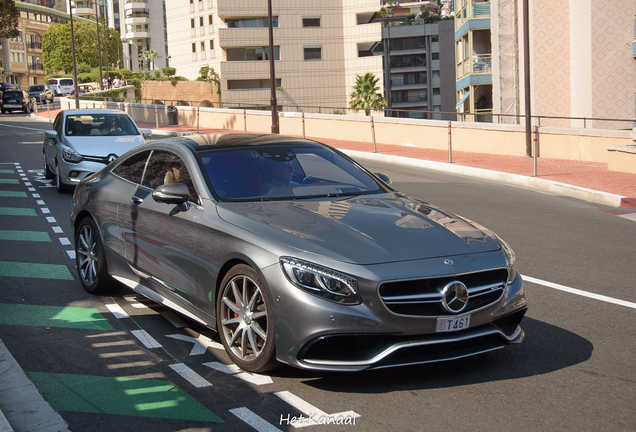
[(202, 143)]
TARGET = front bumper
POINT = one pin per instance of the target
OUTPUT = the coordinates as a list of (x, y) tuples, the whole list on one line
[(336, 337), (73, 173)]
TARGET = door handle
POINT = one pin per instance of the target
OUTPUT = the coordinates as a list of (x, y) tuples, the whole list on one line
[(136, 200)]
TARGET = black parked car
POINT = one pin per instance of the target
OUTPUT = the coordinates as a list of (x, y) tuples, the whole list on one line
[(41, 92), (5, 86), (16, 100)]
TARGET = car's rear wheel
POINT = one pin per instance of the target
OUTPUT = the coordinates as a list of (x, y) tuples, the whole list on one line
[(48, 174), (245, 320), (90, 259)]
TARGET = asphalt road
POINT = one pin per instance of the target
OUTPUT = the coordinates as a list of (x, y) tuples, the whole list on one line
[(574, 371)]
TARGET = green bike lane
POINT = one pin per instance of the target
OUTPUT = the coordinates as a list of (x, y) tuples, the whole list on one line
[(52, 327)]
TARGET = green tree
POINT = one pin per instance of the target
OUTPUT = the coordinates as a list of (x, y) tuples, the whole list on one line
[(365, 94), (207, 73), (149, 57), (57, 54), (9, 14)]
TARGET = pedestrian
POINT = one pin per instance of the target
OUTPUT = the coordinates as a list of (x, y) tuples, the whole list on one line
[(124, 83), (116, 83), (110, 83), (104, 84)]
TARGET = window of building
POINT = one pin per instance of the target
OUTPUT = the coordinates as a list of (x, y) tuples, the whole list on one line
[(251, 54), (251, 22), (192, 23), (408, 43), (200, 21), (211, 44), (435, 38), (311, 22), (194, 47), (210, 19), (202, 46), (313, 53), (435, 56), (251, 84), (436, 91), (408, 60), (435, 74)]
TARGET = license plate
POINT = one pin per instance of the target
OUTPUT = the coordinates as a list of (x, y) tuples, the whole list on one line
[(452, 324), (12, 106)]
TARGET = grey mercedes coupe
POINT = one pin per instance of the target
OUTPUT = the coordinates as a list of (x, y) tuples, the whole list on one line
[(296, 254)]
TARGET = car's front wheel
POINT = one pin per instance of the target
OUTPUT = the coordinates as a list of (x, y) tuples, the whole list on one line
[(245, 320), (61, 187), (48, 174), (90, 259)]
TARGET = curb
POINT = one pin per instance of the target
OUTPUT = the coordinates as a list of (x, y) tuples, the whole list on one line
[(590, 195), (22, 407)]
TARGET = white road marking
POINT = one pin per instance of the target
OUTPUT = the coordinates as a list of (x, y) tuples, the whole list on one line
[(145, 338), (233, 369), (64, 241), (580, 292), (57, 230), (71, 254), (253, 420), (316, 416), (630, 216), (201, 344), (117, 311), (191, 376)]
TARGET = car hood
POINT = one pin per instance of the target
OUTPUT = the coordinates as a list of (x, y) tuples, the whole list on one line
[(362, 230), (95, 145)]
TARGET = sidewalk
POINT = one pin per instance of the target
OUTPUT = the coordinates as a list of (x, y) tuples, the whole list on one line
[(22, 408)]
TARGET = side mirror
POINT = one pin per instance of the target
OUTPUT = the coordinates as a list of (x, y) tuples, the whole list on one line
[(50, 134), (173, 193), (146, 133), (385, 178)]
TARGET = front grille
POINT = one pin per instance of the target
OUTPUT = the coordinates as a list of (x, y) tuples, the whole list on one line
[(423, 297), (361, 348)]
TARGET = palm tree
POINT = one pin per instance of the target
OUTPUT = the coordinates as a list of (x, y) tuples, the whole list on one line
[(149, 57), (365, 94)]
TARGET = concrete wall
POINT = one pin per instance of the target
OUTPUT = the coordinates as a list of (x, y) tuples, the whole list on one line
[(559, 143), (187, 91)]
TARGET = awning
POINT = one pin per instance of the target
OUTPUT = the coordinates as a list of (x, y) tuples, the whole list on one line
[(461, 101)]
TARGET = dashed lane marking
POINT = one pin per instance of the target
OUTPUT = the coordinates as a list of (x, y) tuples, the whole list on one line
[(191, 376)]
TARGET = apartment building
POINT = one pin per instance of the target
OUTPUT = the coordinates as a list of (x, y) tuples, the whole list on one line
[(21, 57), (581, 61), (319, 48)]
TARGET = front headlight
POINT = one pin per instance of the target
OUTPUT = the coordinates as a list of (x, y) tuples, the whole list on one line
[(70, 155), (321, 281), (510, 257)]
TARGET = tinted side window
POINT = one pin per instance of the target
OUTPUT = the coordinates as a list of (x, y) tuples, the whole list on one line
[(132, 169), (57, 124), (165, 168)]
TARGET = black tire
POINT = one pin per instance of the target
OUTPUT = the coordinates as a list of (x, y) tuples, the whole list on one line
[(48, 174), (61, 187), (246, 330), (90, 259)]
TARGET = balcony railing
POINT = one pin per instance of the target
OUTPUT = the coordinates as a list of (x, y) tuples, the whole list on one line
[(36, 66), (34, 45), (482, 64), (481, 9)]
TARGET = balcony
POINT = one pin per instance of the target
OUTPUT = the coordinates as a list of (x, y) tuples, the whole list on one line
[(34, 45), (137, 20), (481, 9), (138, 35), (482, 64), (36, 67)]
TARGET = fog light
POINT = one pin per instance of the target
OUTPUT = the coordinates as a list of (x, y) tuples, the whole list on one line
[(73, 173)]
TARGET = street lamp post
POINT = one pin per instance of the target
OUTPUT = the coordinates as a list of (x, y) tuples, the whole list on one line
[(272, 72), (106, 37), (77, 105), (99, 47)]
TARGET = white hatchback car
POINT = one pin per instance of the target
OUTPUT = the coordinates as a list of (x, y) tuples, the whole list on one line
[(82, 142)]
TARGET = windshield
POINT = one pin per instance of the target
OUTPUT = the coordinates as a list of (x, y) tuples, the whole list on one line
[(35, 88), (100, 124), (284, 172)]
